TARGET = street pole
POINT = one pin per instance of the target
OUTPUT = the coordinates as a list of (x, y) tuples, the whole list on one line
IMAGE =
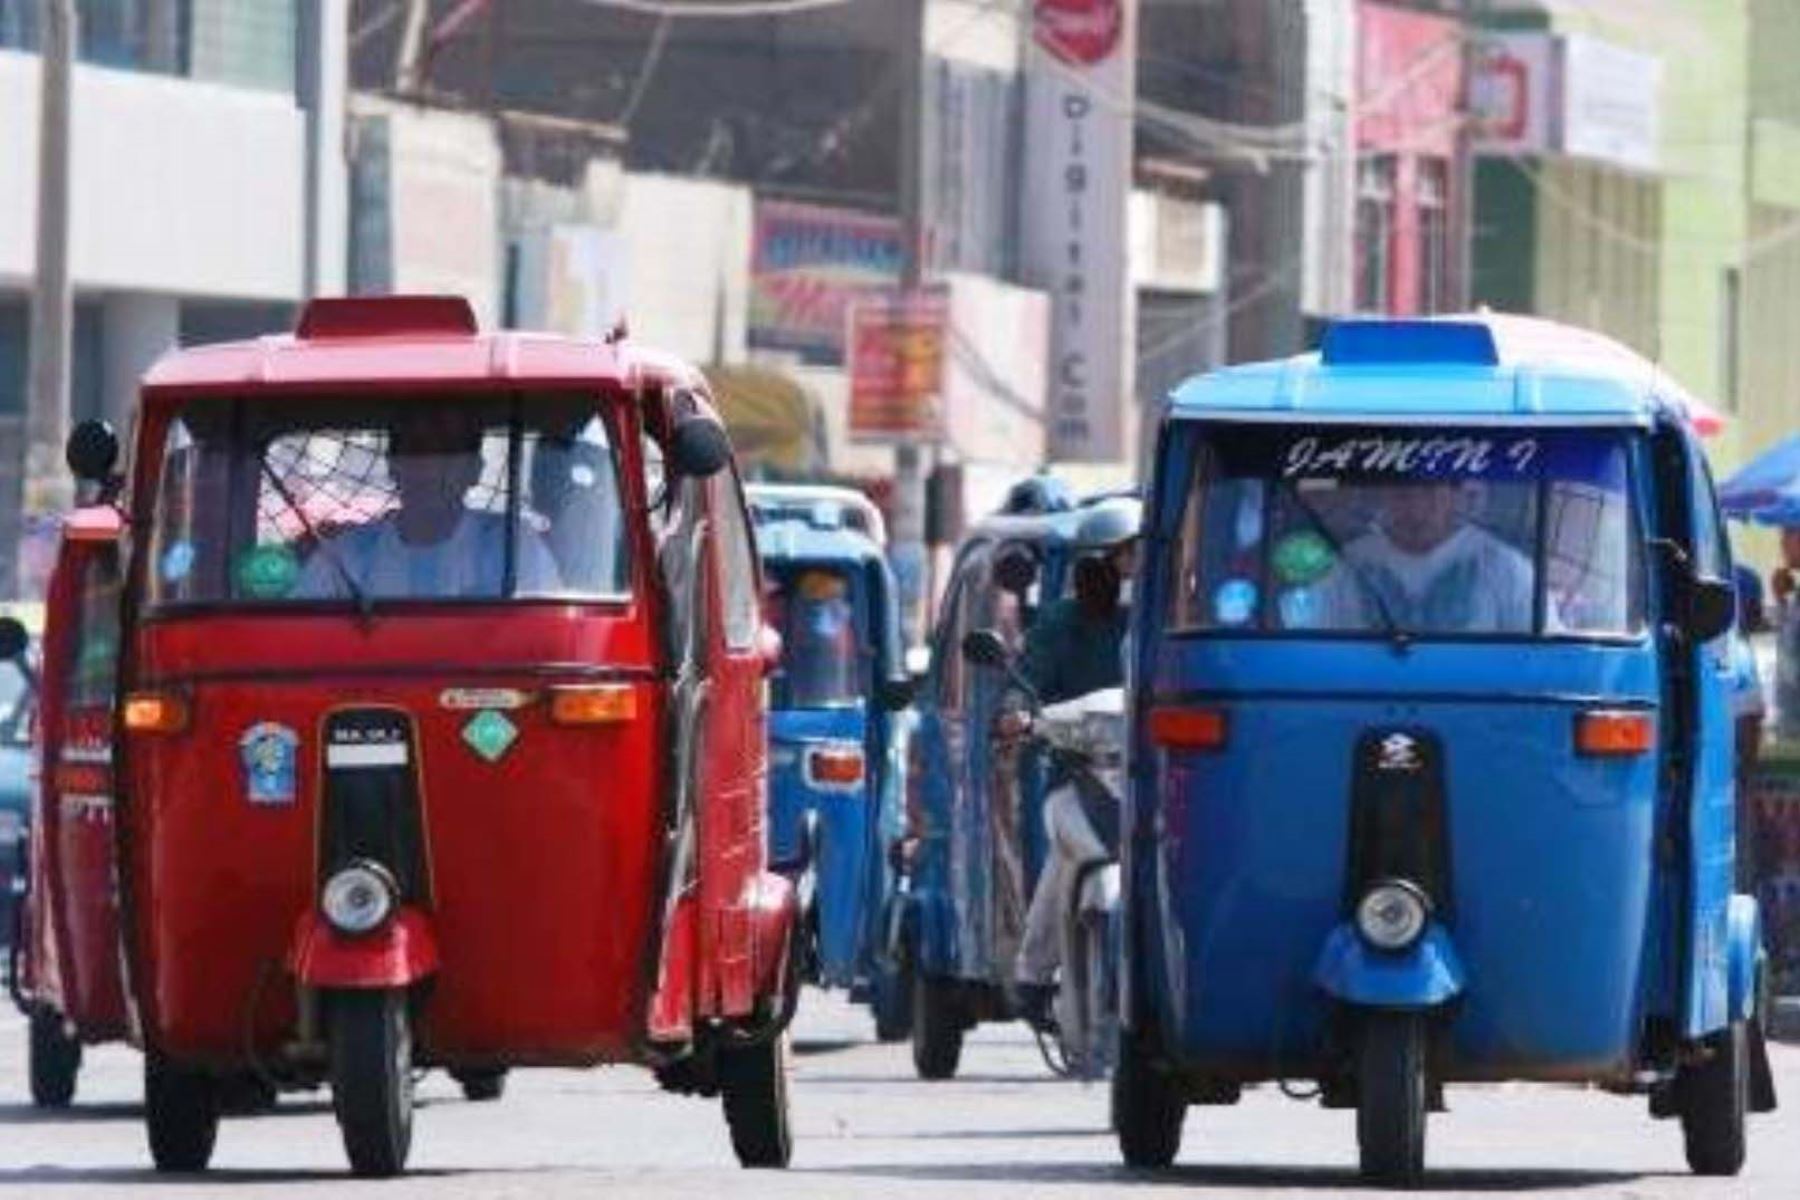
[(910, 552), (1462, 292), (48, 485)]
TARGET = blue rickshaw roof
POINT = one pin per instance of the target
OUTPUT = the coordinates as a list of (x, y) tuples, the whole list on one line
[(1482, 368), (793, 539)]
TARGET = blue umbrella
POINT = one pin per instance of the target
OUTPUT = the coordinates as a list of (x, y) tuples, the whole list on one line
[(1767, 490)]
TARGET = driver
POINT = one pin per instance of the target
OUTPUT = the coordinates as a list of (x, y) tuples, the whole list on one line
[(1075, 647), (433, 545), (1433, 568)]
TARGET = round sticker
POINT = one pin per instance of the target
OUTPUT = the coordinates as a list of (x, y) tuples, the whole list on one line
[(177, 561), (1299, 608), (267, 572), (1235, 602), (1302, 558)]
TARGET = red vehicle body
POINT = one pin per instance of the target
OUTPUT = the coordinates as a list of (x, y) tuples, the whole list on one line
[(586, 885)]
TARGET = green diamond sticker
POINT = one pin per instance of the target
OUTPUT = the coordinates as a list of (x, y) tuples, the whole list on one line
[(490, 734)]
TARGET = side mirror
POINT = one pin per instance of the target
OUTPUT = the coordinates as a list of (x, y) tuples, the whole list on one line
[(13, 639), (92, 451), (1016, 569), (984, 648), (699, 448), (1711, 608), (896, 694)]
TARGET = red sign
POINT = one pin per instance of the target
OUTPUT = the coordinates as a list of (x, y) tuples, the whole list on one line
[(897, 365), (1080, 32)]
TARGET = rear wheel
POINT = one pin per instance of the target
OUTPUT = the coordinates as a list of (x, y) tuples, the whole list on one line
[(1714, 1097), (1392, 1096), (55, 1061), (1147, 1108), (181, 1114), (937, 1027), (481, 1085), (753, 1085), (371, 1079)]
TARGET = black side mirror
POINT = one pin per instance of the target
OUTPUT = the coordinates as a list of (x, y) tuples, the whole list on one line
[(984, 648), (896, 694), (1016, 569), (13, 639), (1711, 608), (92, 451), (699, 448)]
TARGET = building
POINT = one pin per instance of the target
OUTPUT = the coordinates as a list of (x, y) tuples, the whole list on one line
[(202, 206)]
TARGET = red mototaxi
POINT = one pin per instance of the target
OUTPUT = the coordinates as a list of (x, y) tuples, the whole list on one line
[(588, 887)]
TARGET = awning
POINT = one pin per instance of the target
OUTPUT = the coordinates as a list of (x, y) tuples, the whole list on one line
[(771, 419)]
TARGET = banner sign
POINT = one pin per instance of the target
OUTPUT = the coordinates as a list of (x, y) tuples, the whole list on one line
[(897, 349), (808, 263), (1078, 145)]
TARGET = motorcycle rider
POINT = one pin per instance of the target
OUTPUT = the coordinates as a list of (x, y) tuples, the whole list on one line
[(1075, 647)]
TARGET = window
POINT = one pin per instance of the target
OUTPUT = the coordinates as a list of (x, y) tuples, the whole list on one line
[(1434, 235), (1440, 533), (1375, 233), (15, 706), (93, 667), (822, 616), (333, 501), (737, 562)]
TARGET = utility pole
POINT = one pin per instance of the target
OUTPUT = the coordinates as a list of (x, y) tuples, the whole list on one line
[(910, 551), (48, 486), (1462, 212)]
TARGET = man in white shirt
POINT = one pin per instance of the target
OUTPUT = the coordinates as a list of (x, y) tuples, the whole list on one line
[(433, 546), (1434, 570)]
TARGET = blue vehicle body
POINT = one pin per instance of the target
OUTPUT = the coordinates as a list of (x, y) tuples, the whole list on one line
[(835, 833), (16, 703), (1585, 927)]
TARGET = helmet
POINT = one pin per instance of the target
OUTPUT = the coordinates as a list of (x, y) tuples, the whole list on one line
[(1038, 494), (1109, 524)]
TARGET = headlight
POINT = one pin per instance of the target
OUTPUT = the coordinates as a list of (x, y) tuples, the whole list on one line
[(1392, 915), (358, 898)]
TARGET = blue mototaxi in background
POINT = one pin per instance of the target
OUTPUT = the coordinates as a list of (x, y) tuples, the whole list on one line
[(1432, 761), (975, 835), (836, 731)]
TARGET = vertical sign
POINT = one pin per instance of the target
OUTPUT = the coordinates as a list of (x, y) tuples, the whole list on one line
[(1079, 98), (896, 346)]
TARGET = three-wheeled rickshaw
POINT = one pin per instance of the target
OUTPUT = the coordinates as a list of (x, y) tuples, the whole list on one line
[(431, 730), (836, 738), (1432, 770), (976, 839)]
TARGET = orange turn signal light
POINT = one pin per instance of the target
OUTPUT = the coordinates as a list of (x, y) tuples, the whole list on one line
[(1188, 728), (1611, 733), (155, 712), (599, 704), (834, 766)]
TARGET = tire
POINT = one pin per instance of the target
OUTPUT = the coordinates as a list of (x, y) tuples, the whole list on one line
[(1099, 952), (481, 1086), (1392, 1095), (937, 1028), (1714, 1098), (1147, 1109), (181, 1114), (753, 1087), (371, 1079), (891, 1002), (55, 1061)]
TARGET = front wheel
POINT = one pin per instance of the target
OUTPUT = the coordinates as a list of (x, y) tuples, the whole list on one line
[(937, 1028), (891, 1001), (55, 1061), (181, 1114), (1714, 1097), (481, 1086), (1147, 1108), (371, 1079), (1392, 1098), (753, 1085)]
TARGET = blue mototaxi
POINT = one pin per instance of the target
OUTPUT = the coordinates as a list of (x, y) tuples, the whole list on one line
[(836, 731), (1432, 748), (975, 837)]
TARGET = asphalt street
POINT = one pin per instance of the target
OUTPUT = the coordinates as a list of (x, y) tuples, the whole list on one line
[(866, 1127)]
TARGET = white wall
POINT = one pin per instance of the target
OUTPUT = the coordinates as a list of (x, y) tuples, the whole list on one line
[(179, 187), (689, 248)]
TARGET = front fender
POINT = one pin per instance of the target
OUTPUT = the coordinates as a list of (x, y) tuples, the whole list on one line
[(1744, 950), (774, 909), (1427, 975), (399, 954)]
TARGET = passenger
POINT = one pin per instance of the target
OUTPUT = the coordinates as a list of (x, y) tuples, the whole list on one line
[(433, 545), (1433, 569)]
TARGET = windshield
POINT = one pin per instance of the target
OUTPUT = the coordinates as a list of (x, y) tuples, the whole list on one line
[(15, 706), (1443, 533), (406, 499), (819, 613)]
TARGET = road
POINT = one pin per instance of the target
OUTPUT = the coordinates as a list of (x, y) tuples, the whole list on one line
[(866, 1127)]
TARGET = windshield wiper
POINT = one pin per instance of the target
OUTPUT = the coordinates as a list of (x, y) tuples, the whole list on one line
[(1396, 634), (365, 606)]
